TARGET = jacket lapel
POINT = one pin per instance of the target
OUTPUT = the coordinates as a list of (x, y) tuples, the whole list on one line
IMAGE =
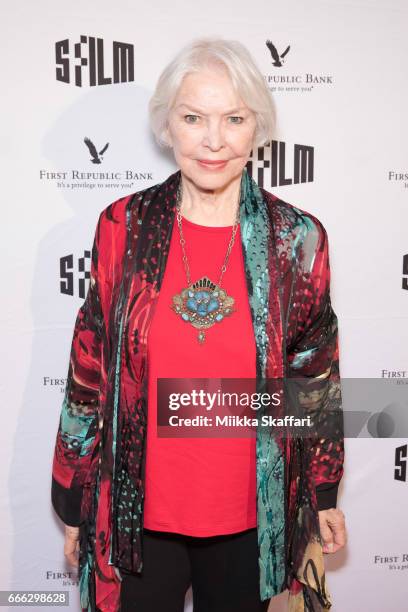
[(264, 292)]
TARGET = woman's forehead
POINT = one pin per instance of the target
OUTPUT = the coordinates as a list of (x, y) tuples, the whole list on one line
[(200, 93)]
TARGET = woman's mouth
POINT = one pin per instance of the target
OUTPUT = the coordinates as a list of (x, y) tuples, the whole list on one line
[(212, 164)]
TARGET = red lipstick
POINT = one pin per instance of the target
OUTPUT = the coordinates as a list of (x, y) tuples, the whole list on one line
[(213, 164)]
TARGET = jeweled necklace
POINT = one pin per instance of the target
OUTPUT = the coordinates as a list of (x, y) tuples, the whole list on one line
[(203, 303)]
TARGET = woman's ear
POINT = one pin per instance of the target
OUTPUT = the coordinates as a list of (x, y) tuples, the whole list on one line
[(166, 137), (254, 141)]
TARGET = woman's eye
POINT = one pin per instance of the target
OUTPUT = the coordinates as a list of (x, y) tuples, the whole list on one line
[(187, 118), (240, 119)]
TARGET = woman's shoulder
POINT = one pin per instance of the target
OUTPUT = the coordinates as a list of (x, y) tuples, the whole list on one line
[(115, 213), (288, 217)]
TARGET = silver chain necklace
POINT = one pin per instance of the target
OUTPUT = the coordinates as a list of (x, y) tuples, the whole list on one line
[(203, 303)]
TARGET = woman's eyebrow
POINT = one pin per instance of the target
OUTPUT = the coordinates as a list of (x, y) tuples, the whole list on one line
[(197, 110)]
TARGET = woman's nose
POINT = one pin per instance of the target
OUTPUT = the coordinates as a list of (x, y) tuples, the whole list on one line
[(214, 137)]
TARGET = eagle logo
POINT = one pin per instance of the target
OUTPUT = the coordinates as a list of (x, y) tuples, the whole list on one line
[(278, 60), (96, 158)]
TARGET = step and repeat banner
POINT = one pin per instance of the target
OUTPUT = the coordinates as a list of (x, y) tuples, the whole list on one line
[(77, 78)]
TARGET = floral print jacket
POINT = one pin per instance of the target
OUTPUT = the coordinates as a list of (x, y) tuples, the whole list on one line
[(99, 457)]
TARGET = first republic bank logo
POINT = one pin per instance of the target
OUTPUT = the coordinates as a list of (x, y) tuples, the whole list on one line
[(291, 82), (84, 62)]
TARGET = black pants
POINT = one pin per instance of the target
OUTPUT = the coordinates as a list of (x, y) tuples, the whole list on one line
[(222, 570)]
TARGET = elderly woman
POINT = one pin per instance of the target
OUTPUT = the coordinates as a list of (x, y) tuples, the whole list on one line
[(203, 275)]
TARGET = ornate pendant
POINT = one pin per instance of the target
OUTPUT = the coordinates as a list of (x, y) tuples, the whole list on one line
[(202, 304)]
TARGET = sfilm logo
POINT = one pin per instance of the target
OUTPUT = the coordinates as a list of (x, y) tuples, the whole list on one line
[(68, 273), (87, 57), (400, 472), (268, 164), (405, 271)]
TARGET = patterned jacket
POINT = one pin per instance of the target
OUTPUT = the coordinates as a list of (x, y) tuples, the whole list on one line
[(99, 459)]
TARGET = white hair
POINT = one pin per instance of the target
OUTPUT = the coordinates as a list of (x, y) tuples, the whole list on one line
[(245, 75)]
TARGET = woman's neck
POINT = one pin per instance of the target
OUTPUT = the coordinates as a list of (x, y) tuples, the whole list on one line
[(212, 208)]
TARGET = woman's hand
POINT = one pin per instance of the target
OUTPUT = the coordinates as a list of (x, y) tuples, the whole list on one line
[(71, 544), (332, 529)]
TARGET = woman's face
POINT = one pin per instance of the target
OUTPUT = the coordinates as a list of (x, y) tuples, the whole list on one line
[(207, 123)]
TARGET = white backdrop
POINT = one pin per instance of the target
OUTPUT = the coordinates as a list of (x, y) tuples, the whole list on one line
[(353, 115)]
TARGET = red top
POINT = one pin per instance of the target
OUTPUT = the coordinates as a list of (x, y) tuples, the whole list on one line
[(200, 486)]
